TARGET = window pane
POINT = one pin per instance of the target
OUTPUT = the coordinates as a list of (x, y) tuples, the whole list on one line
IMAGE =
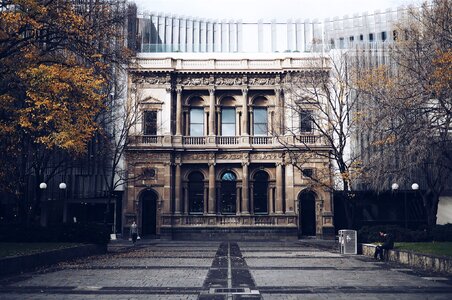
[(150, 122), (228, 122), (260, 115), (197, 115), (197, 122), (196, 130), (228, 130), (260, 121), (306, 121), (228, 115)]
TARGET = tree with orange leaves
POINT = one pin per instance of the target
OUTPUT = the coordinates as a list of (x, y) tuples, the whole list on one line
[(56, 64)]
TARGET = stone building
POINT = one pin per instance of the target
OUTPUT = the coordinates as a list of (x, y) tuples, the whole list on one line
[(207, 150)]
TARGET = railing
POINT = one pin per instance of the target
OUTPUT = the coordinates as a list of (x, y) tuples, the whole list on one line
[(194, 140), (230, 220), (227, 140), (151, 139), (262, 140), (308, 139), (224, 141)]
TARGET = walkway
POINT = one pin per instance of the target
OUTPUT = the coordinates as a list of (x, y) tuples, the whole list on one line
[(225, 270)]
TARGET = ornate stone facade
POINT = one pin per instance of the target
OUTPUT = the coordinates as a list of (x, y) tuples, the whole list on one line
[(213, 163)]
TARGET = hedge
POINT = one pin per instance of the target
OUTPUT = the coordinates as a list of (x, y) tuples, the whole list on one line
[(89, 233), (440, 233)]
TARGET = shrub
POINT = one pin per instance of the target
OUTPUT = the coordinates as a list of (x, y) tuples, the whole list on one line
[(90, 233), (442, 233), (439, 233)]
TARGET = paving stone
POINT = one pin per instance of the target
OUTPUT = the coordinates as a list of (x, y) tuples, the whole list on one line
[(189, 269)]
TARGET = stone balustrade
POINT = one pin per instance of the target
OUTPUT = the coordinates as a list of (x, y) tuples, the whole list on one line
[(225, 141)]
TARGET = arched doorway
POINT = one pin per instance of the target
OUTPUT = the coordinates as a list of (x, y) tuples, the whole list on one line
[(228, 193), (148, 213), (260, 193), (306, 213)]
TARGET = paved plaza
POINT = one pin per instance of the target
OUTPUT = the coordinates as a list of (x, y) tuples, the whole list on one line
[(226, 270)]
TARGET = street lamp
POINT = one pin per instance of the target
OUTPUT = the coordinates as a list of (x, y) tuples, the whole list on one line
[(63, 187), (43, 213)]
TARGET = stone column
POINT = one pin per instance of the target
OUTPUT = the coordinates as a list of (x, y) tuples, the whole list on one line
[(178, 192), (237, 200), (212, 111), (279, 188), (278, 124), (212, 206), (245, 112), (179, 111), (271, 200), (205, 199), (245, 200), (186, 205)]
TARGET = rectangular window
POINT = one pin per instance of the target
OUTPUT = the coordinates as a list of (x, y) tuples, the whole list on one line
[(383, 36), (307, 172), (228, 122), (306, 121), (260, 121), (361, 37), (197, 122), (371, 37), (351, 39), (150, 123)]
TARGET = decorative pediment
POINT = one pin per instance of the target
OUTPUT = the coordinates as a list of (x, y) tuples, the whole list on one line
[(151, 100)]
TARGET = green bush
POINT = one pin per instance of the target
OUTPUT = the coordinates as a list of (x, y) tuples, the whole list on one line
[(371, 234), (440, 233), (89, 233)]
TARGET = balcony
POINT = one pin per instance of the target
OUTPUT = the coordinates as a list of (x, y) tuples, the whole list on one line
[(151, 141)]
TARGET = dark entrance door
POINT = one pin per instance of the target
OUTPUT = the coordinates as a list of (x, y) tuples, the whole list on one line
[(307, 213), (148, 213)]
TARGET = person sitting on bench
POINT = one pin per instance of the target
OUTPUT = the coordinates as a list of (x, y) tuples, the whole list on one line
[(388, 243)]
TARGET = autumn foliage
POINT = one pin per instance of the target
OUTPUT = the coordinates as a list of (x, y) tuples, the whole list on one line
[(56, 60)]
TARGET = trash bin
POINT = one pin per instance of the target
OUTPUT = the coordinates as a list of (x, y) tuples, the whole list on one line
[(348, 241)]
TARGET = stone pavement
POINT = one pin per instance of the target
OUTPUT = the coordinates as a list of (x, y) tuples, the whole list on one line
[(225, 270)]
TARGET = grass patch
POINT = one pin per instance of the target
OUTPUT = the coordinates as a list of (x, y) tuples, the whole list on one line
[(16, 249), (434, 248)]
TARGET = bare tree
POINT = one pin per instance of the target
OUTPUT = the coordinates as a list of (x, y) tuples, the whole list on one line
[(322, 105), (122, 116), (412, 101)]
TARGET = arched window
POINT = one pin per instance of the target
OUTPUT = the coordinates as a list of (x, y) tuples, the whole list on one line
[(228, 193), (196, 192), (260, 193)]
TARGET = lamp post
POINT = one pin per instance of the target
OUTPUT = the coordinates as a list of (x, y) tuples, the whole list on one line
[(394, 188), (43, 213), (63, 187)]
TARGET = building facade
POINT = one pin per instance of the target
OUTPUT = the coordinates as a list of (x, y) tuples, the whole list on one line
[(207, 150)]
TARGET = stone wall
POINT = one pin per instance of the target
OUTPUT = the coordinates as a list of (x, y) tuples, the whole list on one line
[(422, 261)]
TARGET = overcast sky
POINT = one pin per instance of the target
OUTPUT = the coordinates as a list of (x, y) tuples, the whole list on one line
[(253, 10)]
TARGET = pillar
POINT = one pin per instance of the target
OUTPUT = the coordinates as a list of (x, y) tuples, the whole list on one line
[(237, 201), (279, 189), (245, 112), (205, 199), (179, 111), (186, 204), (178, 192), (279, 122), (212, 111), (212, 206), (271, 200), (245, 200)]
